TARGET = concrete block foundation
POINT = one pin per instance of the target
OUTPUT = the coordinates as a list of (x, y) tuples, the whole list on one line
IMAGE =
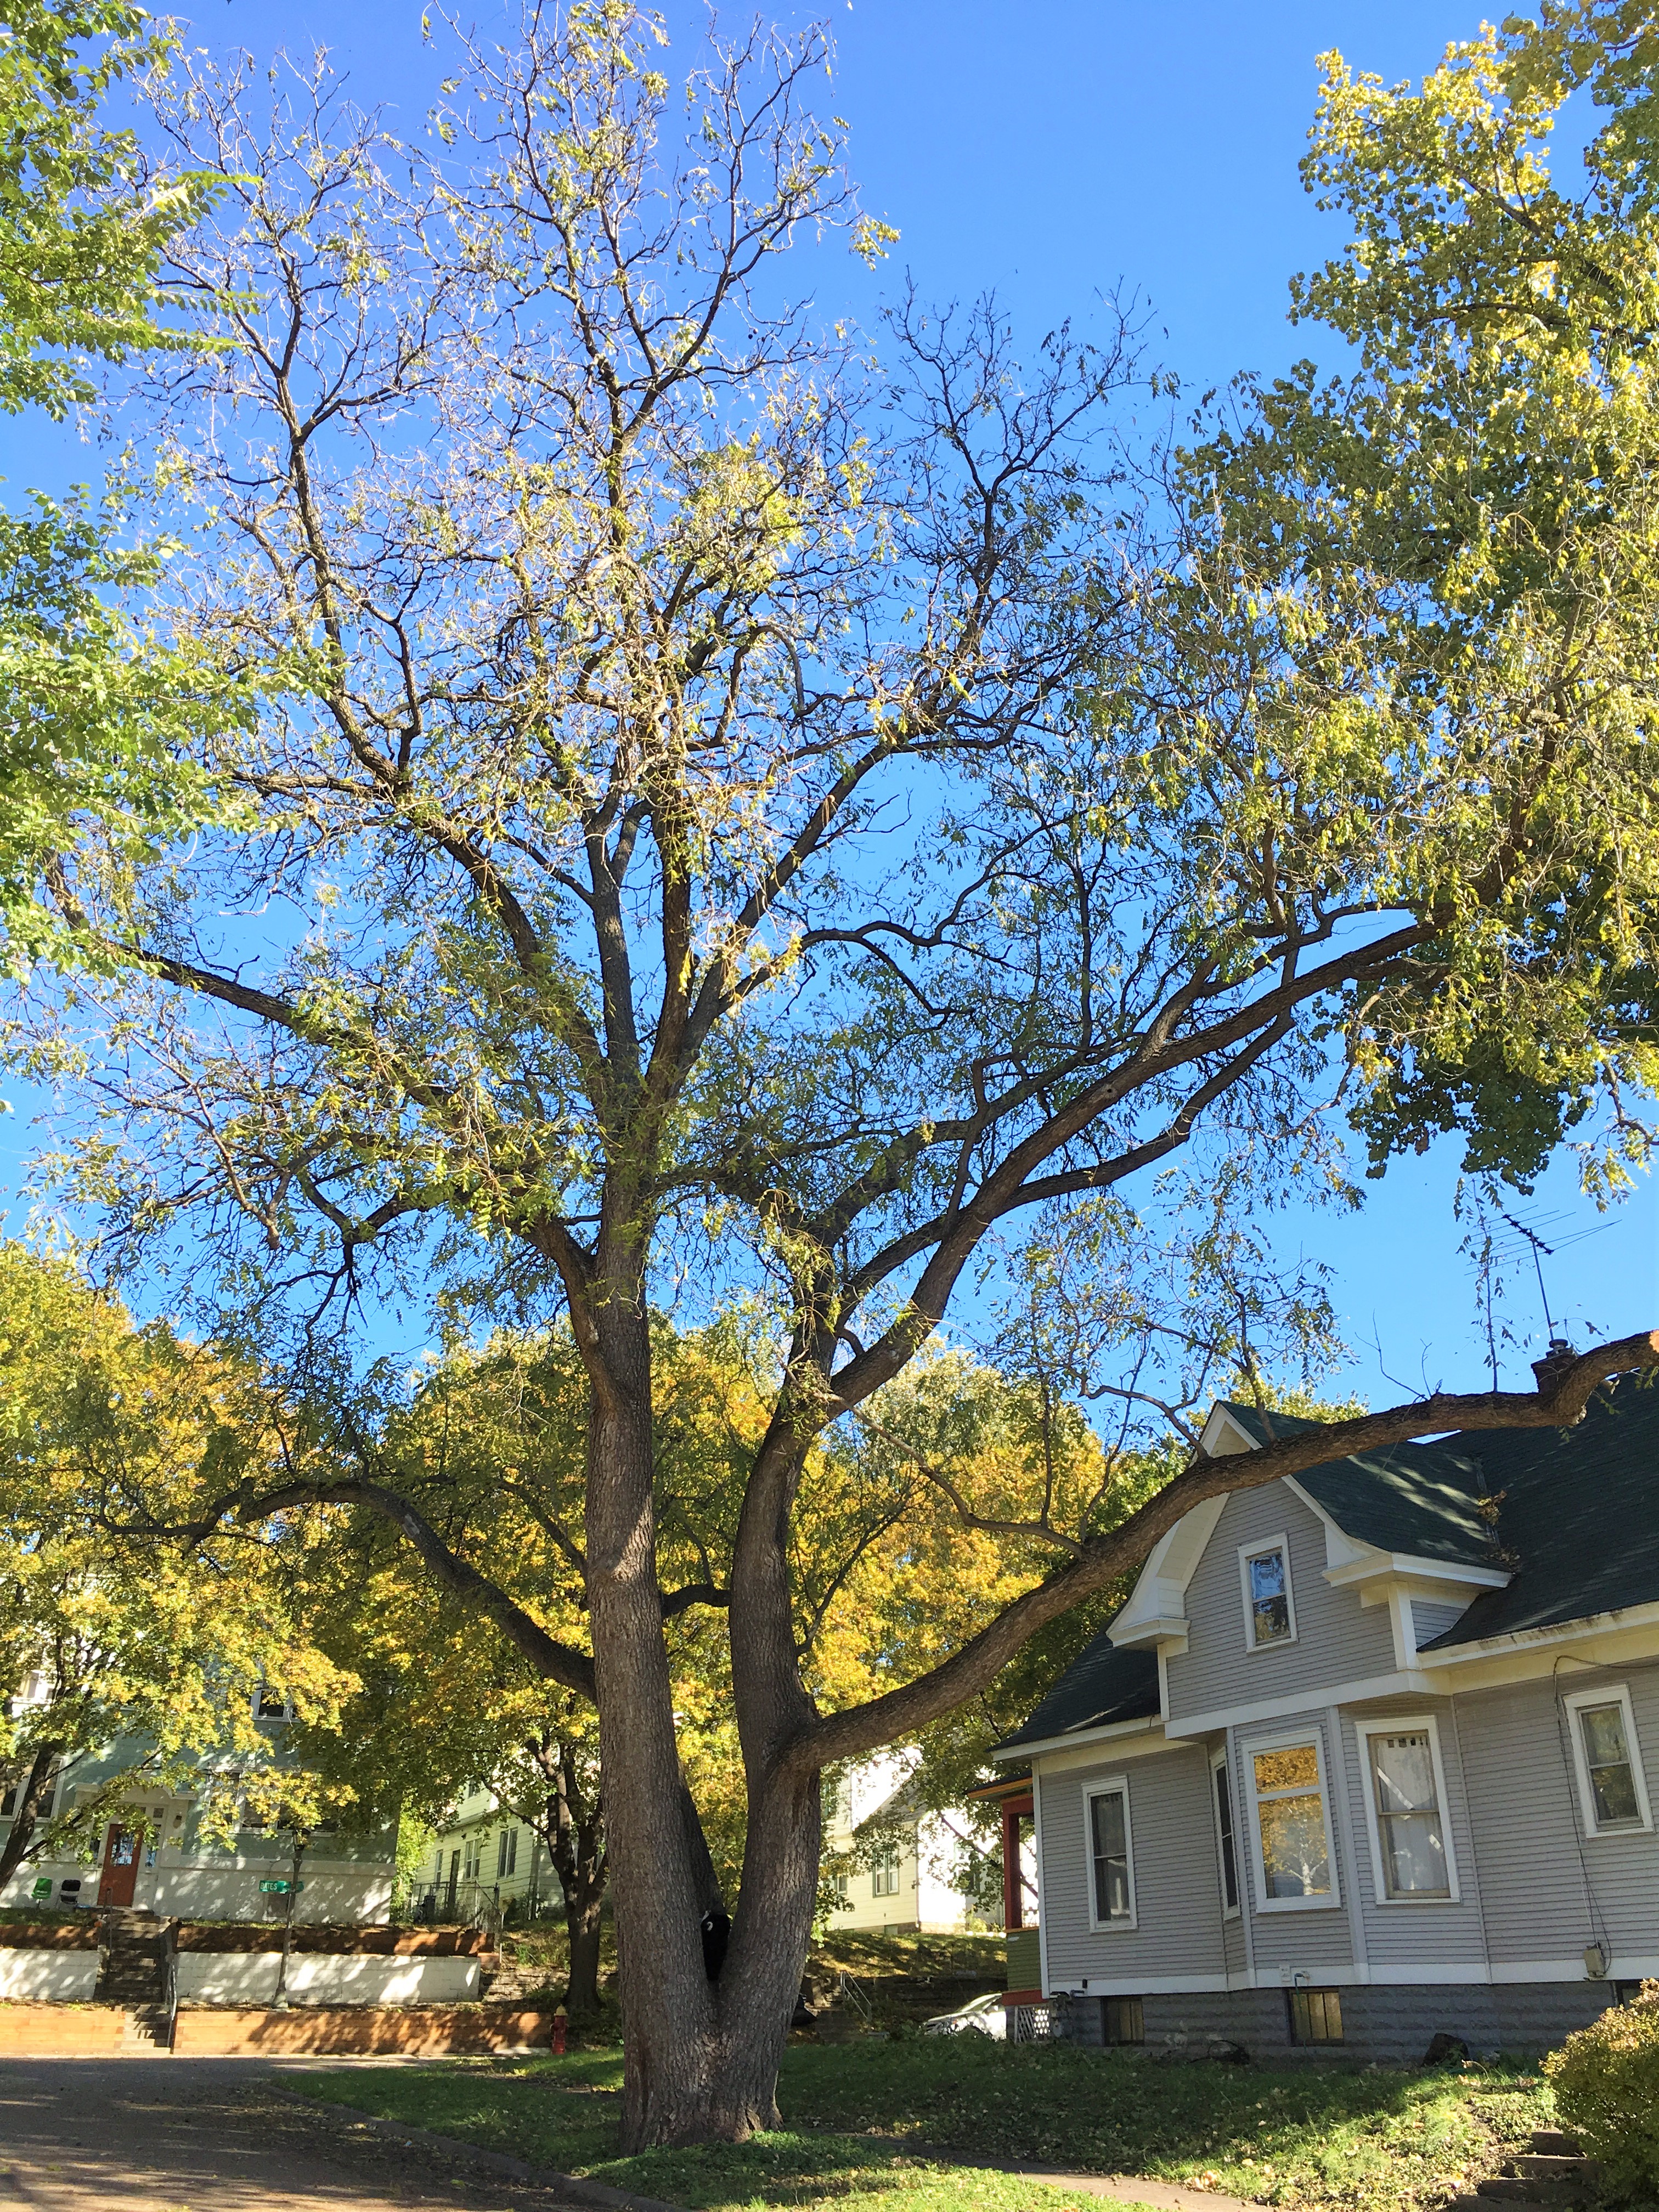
[(1388, 2024)]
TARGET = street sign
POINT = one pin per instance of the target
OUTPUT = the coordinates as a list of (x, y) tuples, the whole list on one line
[(279, 1888)]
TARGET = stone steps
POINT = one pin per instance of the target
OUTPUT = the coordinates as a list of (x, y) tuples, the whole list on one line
[(147, 2027), (1553, 2176), (132, 1959)]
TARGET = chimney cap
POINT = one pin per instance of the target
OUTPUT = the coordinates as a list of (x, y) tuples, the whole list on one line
[(1558, 1358)]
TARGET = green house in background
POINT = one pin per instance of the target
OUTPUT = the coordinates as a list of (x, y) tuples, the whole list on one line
[(161, 1861)]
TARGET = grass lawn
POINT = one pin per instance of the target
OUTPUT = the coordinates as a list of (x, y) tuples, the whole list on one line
[(1379, 2141)]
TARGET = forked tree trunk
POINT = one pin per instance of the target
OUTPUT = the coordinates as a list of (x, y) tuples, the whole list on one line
[(703, 2034), (669, 2039)]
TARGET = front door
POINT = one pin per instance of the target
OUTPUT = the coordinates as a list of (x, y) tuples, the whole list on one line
[(120, 1874)]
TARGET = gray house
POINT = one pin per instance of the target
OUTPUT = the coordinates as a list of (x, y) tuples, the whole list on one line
[(1367, 1754)]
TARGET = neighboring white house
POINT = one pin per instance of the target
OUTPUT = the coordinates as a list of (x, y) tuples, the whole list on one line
[(899, 1862), (483, 1857), (1370, 1753)]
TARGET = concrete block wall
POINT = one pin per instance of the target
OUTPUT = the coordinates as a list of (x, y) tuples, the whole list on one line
[(1384, 2024)]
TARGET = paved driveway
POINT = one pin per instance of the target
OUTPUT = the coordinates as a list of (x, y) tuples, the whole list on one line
[(210, 2134)]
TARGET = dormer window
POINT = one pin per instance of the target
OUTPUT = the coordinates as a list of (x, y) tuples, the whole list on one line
[(1269, 1610)]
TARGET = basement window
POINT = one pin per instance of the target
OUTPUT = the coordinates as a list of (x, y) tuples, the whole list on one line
[(1316, 2015), (1122, 2019)]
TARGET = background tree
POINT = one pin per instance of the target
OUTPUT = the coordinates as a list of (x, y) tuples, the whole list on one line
[(107, 1648), (750, 823), (97, 720)]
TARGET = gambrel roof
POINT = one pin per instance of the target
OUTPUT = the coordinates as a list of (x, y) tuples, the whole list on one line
[(1566, 1520)]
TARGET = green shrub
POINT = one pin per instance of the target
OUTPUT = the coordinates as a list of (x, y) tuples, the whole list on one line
[(1605, 2079)]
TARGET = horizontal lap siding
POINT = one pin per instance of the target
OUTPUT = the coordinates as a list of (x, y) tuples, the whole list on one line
[(1430, 1618), (1177, 1888), (1338, 1639), (1535, 1862), (1312, 1939), (1425, 1934)]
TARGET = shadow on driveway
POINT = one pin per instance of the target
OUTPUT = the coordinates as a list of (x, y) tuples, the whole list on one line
[(212, 2135)]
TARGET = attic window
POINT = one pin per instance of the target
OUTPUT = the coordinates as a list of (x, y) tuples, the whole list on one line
[(1269, 1608)]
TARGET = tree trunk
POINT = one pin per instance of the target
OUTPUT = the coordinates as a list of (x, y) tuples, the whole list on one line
[(583, 1912), (704, 2023), (671, 2049), (572, 1826), (26, 1814)]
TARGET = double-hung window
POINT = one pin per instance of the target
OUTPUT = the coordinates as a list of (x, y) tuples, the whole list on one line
[(506, 1854), (1612, 1790), (1405, 1811), (1226, 1841), (885, 1873), (1111, 1864), (1295, 1864), (1264, 1570)]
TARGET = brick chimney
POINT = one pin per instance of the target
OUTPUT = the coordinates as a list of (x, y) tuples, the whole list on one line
[(1553, 1365)]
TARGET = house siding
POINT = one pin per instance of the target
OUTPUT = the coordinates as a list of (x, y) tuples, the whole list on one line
[(1431, 1617), (1546, 1888), (1435, 1934), (1338, 1639), (1178, 1927), (1311, 1940)]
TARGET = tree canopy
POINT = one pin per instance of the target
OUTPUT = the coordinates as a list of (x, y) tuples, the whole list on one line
[(122, 1667), (729, 810), (98, 718)]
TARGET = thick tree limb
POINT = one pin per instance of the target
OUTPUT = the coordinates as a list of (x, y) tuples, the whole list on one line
[(863, 1729)]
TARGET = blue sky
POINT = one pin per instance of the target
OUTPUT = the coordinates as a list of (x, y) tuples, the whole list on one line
[(1055, 150)]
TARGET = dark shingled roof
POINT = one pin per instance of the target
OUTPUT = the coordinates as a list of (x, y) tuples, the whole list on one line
[(1410, 1497), (1576, 1524), (1101, 1685), (1577, 1518)]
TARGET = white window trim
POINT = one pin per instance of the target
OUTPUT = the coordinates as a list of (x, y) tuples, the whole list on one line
[(1111, 1786), (1614, 1694), (1220, 1763), (1364, 1730), (1287, 1740), (1246, 1553)]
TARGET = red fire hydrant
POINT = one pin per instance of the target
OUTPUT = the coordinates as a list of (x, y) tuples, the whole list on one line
[(558, 2035)]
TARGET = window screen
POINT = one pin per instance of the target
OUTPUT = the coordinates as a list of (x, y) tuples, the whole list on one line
[(1291, 1810), (1109, 1837), (1224, 1815), (1607, 1763), (1409, 1815), (1270, 1598)]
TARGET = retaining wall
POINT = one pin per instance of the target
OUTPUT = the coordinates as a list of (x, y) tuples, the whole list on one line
[(249, 1978), (64, 1977), (365, 2032), (61, 2031)]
